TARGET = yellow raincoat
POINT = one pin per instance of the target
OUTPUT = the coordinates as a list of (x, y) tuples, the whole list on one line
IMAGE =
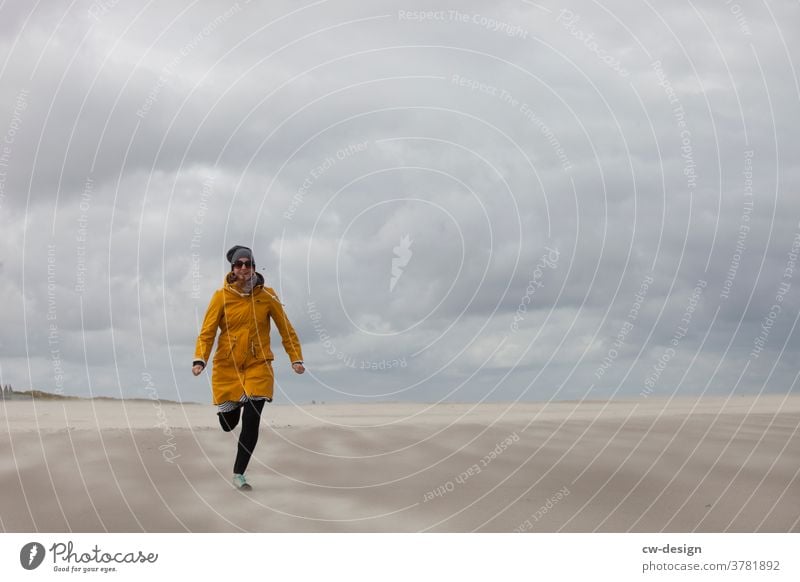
[(243, 359)]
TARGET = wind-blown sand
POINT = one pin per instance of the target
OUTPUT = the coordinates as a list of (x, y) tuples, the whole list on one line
[(649, 465)]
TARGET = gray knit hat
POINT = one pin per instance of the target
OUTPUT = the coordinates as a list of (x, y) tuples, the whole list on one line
[(239, 252)]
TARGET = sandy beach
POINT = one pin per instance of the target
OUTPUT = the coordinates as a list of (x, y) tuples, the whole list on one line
[(685, 465)]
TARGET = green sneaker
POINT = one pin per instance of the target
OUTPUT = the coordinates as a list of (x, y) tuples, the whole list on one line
[(241, 483)]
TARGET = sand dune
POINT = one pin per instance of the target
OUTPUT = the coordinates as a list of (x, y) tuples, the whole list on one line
[(706, 465)]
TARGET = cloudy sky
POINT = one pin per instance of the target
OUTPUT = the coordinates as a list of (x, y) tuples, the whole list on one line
[(455, 201)]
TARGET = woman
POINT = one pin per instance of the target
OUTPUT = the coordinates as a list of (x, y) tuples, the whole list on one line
[(242, 377)]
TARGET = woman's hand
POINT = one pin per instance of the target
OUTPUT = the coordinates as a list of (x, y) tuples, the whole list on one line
[(298, 368), (197, 369)]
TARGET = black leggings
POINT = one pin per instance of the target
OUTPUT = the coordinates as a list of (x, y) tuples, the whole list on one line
[(251, 417)]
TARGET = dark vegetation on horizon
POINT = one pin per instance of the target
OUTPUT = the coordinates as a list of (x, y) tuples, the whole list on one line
[(8, 393)]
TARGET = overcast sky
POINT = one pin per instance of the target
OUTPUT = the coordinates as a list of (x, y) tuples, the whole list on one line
[(455, 201)]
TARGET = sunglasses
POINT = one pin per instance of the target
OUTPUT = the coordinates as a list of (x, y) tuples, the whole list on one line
[(241, 264)]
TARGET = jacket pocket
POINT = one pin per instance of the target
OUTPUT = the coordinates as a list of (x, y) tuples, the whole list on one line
[(225, 347)]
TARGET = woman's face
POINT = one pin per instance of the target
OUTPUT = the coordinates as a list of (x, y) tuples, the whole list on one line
[(243, 269)]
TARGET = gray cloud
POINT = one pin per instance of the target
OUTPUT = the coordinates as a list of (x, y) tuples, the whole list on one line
[(540, 163)]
